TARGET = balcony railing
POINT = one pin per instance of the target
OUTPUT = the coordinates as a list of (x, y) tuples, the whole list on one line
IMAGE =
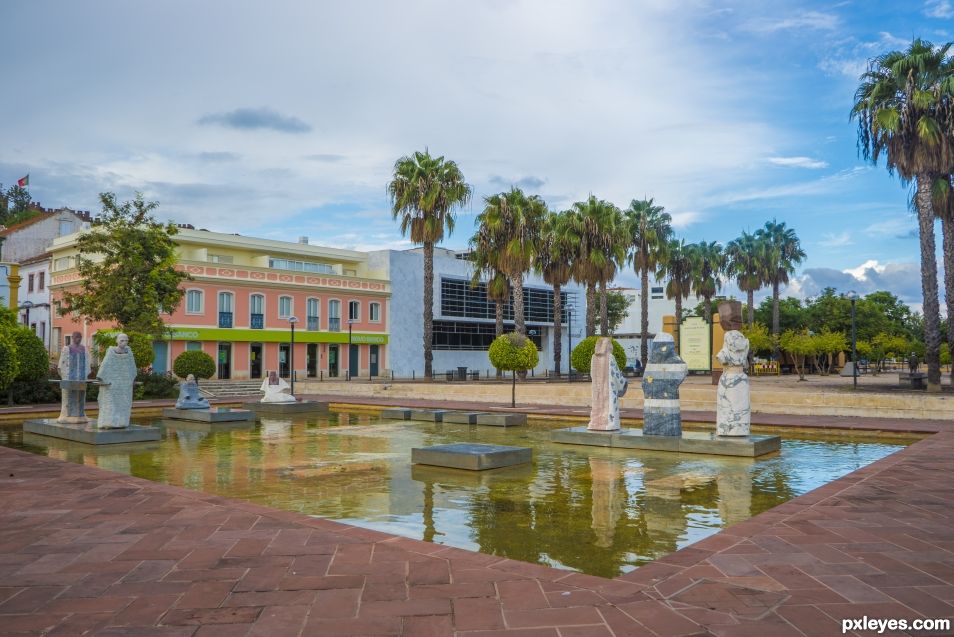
[(313, 324), (334, 324), (257, 321), (225, 319)]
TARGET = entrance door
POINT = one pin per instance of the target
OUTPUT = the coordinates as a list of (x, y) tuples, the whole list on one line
[(255, 361), (225, 361), (353, 360), (160, 352), (312, 362), (373, 360), (333, 361), (284, 356)]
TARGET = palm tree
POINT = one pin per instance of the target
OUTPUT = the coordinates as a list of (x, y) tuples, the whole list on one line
[(944, 207), (709, 266), (904, 111), (424, 191), (746, 262), (677, 266), (554, 262), (485, 249), (514, 221), (601, 242), (782, 252), (650, 227)]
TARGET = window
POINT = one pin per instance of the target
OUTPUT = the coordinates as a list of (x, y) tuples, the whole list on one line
[(41, 280), (221, 258), (284, 307), (30, 283), (312, 315), (193, 346), (374, 313), (656, 293), (63, 263), (225, 309), (256, 309), (42, 333), (334, 315), (458, 298), (194, 302), (66, 226), (300, 266), (461, 335), (354, 310)]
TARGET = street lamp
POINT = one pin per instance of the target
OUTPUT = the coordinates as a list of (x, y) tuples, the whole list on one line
[(27, 305), (351, 322), (853, 297), (291, 321), (569, 335)]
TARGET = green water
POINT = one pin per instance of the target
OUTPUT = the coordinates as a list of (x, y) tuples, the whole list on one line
[(595, 510)]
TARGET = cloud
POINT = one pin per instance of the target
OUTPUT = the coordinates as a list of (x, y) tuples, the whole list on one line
[(255, 119), (939, 9), (902, 279), (219, 156), (850, 58), (685, 218), (327, 158), (813, 20), (899, 227), (832, 240), (529, 182), (798, 162)]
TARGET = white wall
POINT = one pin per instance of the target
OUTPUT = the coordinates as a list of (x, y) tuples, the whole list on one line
[(40, 312)]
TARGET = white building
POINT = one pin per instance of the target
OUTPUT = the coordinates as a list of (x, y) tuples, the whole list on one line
[(34, 299), (629, 333), (464, 319)]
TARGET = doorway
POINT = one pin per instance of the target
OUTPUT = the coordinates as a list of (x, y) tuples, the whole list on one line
[(160, 352), (284, 356), (353, 360), (255, 360), (225, 361), (333, 361), (312, 362), (373, 360)]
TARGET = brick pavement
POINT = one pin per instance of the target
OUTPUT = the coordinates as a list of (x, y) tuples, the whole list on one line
[(88, 551)]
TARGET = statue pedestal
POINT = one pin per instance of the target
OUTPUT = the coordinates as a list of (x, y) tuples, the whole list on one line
[(88, 433), (212, 414), (471, 456), (688, 442), (286, 408)]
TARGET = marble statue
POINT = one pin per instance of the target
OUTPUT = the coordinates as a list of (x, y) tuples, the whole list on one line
[(74, 370), (665, 371), (608, 384), (189, 397), (274, 389), (733, 405), (117, 375)]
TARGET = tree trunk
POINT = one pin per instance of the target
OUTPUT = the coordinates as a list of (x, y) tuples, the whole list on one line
[(707, 309), (644, 317), (499, 315), (775, 319), (604, 317), (932, 310), (518, 319), (750, 299), (557, 328), (428, 309), (678, 320), (590, 309), (947, 229)]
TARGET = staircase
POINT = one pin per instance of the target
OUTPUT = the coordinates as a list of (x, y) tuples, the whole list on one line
[(230, 388)]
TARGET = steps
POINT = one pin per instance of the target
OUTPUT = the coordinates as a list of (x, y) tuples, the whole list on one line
[(230, 388)]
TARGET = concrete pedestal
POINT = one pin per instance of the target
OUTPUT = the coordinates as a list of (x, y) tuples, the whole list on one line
[(689, 442), (471, 456), (89, 434), (287, 408), (463, 417), (502, 419), (208, 427), (215, 414), (428, 415), (397, 413)]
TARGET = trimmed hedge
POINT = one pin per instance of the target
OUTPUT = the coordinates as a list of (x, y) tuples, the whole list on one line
[(513, 352), (194, 362), (583, 352)]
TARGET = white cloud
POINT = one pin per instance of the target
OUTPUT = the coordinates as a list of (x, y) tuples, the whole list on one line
[(812, 20), (850, 58), (685, 218), (798, 162), (900, 278), (833, 240), (899, 226), (939, 9)]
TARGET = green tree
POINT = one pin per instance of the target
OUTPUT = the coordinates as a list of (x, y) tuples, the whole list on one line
[(676, 266), (554, 262), (800, 345), (760, 341), (485, 250), (424, 191), (139, 343), (33, 362), (650, 228), (15, 205), (792, 315), (194, 362), (746, 262), (904, 112), (9, 359), (782, 252), (582, 354), (831, 344), (127, 263), (708, 263), (617, 309), (513, 352)]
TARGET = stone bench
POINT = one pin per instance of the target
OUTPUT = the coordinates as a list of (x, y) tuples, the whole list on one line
[(463, 417), (502, 419), (912, 380)]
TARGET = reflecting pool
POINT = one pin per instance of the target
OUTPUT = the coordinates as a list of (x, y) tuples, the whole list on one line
[(595, 510)]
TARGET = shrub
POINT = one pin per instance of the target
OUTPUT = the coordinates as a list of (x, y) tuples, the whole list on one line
[(32, 356), (9, 365), (513, 352), (197, 363), (583, 352), (155, 386)]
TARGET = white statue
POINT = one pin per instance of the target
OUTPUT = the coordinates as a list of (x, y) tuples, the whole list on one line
[(118, 375), (608, 384), (274, 388), (189, 397), (733, 404), (74, 370)]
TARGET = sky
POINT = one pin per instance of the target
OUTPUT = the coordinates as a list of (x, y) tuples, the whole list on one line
[(285, 119)]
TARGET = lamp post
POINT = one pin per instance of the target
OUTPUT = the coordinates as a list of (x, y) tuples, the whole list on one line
[(853, 296), (27, 305), (351, 322), (291, 321)]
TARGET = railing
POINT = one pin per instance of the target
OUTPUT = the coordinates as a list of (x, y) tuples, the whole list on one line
[(313, 324), (334, 324), (257, 322), (225, 319)]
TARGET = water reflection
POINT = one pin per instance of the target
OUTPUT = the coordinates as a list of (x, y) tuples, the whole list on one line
[(600, 511)]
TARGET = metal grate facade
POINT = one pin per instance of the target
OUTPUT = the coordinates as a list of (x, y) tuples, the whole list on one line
[(458, 298)]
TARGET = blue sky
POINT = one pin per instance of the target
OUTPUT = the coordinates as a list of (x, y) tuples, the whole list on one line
[(287, 122)]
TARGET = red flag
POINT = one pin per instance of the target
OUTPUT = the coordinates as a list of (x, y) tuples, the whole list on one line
[(23, 182)]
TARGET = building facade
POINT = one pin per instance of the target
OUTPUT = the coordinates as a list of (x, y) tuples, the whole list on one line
[(629, 333), (464, 319), (245, 295), (33, 302)]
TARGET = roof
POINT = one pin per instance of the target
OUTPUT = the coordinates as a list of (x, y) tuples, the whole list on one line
[(7, 231)]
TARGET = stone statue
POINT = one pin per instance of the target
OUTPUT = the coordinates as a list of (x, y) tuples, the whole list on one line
[(608, 384), (189, 397), (74, 370), (665, 371), (733, 404), (117, 374), (274, 388)]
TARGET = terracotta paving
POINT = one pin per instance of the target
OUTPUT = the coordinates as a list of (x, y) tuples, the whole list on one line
[(88, 551)]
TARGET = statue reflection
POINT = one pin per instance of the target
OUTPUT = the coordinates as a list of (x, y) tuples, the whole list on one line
[(735, 496), (607, 500)]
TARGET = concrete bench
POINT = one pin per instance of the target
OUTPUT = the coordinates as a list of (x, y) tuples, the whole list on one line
[(912, 380)]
